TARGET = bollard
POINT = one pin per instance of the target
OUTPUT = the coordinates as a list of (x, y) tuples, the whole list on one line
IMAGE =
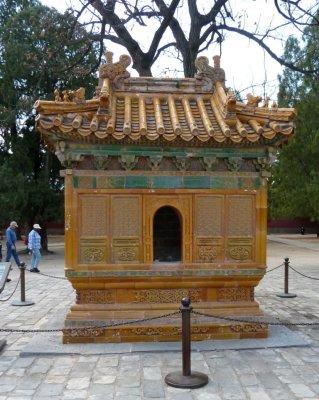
[(286, 293), (186, 379), (23, 301)]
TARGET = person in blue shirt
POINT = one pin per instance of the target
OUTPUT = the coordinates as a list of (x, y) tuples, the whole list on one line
[(11, 239), (34, 245)]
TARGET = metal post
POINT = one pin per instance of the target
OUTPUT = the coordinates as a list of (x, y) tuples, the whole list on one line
[(22, 283), (186, 336), (23, 301), (186, 379), (286, 275), (286, 293)]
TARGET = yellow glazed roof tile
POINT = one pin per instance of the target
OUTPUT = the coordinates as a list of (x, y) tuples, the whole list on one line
[(194, 110)]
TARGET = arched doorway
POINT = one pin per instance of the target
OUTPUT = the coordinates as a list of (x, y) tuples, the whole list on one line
[(167, 235)]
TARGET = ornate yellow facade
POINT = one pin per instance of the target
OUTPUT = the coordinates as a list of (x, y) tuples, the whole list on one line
[(165, 197)]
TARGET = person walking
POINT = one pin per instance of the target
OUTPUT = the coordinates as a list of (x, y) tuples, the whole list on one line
[(11, 239), (34, 245)]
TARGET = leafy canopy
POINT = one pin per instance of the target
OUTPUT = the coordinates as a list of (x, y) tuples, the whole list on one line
[(294, 187), (36, 55)]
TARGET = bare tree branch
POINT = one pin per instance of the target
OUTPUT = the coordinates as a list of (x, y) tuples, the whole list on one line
[(262, 44), (161, 49), (120, 17), (160, 31)]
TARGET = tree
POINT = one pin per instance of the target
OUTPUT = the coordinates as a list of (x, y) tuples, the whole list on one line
[(294, 188), (36, 55), (189, 27)]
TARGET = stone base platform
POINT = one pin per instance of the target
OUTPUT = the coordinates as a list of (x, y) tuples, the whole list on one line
[(51, 344), (163, 333), (106, 297), (161, 329)]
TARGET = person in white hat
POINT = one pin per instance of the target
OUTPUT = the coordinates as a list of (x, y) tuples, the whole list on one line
[(11, 239), (34, 245)]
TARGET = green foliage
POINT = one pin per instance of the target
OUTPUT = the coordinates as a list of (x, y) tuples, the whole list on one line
[(36, 55), (28, 202), (294, 186)]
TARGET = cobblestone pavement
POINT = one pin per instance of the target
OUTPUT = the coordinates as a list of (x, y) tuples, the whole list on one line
[(279, 374)]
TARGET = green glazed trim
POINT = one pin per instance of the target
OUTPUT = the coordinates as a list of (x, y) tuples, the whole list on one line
[(189, 152), (185, 272), (168, 182)]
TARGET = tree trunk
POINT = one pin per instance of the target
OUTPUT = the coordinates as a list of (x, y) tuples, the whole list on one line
[(44, 239), (189, 66), (189, 56), (143, 70)]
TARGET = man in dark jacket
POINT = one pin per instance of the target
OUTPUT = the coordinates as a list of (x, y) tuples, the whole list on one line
[(11, 239)]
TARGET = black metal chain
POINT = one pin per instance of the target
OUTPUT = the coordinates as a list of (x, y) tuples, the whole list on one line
[(64, 278), (252, 320), (255, 320), (273, 269), (100, 326), (304, 275), (50, 276), (14, 290)]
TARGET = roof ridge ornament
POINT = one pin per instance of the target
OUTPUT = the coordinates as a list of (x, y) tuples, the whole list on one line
[(208, 74), (252, 100), (230, 101), (70, 96), (115, 71)]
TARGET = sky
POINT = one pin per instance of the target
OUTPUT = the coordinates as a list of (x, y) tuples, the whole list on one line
[(249, 69)]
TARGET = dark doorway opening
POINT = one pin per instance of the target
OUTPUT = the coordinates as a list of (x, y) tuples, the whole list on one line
[(167, 235)]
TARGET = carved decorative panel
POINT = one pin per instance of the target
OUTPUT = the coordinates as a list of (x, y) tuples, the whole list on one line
[(93, 255), (235, 294), (94, 221), (95, 296), (126, 216), (126, 250), (240, 215), (86, 332), (157, 331), (209, 250), (240, 249), (167, 295), (93, 251), (208, 215), (247, 328)]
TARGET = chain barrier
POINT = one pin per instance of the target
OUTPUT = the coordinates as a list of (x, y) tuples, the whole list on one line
[(273, 269), (50, 276), (136, 321), (267, 272), (64, 278), (14, 290), (253, 320), (256, 320), (297, 272), (304, 275)]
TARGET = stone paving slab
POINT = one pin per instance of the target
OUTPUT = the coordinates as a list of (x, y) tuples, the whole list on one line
[(294, 242), (51, 344)]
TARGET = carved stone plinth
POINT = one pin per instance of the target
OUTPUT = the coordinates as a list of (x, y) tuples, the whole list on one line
[(112, 297)]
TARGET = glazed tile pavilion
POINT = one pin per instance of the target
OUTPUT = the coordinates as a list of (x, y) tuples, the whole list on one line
[(165, 197)]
